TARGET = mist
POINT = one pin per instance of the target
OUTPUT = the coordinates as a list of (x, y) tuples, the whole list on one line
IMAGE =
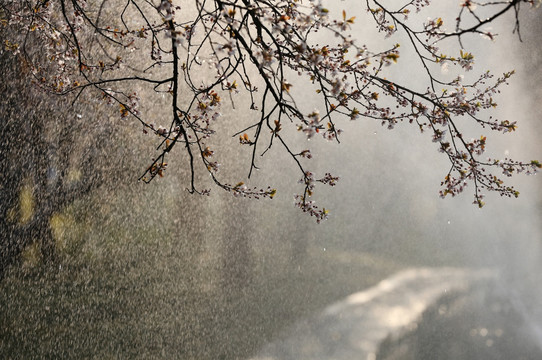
[(151, 271)]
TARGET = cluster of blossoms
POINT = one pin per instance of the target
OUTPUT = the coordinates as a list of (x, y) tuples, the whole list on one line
[(312, 124), (229, 48), (132, 105), (166, 7), (385, 19), (242, 190), (207, 112), (157, 168), (308, 206)]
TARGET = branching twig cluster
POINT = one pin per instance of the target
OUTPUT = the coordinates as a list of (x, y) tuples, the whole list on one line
[(258, 48)]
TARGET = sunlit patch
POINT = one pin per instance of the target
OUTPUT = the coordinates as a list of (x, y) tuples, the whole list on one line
[(489, 342), (59, 225), (74, 175), (26, 204), (31, 256)]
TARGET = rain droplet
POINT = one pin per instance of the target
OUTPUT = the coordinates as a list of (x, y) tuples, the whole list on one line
[(449, 222)]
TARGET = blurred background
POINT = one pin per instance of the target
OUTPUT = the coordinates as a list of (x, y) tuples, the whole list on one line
[(109, 267)]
